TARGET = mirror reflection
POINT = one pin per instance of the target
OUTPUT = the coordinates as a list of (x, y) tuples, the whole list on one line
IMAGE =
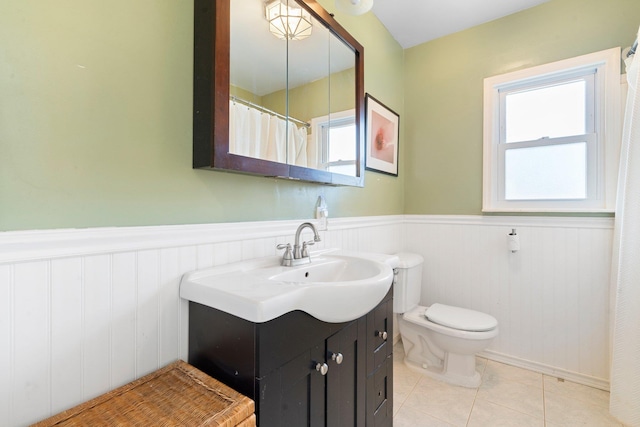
[(292, 88)]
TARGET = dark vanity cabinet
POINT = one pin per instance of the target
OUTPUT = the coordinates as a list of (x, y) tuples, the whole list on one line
[(380, 365), (299, 370)]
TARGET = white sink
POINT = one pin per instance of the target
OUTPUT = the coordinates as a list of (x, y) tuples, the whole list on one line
[(337, 286)]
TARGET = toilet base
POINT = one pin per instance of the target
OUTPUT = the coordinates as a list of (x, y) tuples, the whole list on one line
[(440, 352), (471, 381)]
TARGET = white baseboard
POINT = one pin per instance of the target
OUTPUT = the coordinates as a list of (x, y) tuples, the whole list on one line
[(538, 367), (546, 370)]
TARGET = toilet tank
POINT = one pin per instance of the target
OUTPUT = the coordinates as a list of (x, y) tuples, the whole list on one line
[(408, 282)]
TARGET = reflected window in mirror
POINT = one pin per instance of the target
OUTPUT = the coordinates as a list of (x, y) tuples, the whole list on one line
[(330, 143)]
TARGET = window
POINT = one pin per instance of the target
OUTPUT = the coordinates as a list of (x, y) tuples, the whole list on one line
[(551, 136), (333, 148)]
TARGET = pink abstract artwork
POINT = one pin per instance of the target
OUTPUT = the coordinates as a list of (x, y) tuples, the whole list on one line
[(383, 144)]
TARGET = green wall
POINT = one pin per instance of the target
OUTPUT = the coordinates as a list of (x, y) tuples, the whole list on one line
[(444, 89), (96, 122), (96, 110), (312, 99)]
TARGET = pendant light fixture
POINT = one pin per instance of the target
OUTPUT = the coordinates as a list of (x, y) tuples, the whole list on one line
[(354, 7), (287, 21)]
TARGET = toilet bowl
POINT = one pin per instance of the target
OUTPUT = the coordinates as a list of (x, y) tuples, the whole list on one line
[(440, 341)]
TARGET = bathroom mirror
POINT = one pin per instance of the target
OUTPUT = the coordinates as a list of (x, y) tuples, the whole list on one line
[(289, 108)]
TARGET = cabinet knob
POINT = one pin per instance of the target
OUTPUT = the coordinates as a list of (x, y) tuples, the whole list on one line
[(337, 357), (382, 334), (323, 368)]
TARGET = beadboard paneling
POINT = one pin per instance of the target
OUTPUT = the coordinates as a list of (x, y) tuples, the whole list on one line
[(124, 316), (6, 341), (31, 340), (550, 298), (66, 325), (85, 311)]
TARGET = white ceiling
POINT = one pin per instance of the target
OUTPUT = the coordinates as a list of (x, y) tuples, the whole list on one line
[(257, 63), (412, 22)]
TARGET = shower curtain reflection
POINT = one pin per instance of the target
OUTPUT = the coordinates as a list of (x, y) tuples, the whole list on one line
[(254, 133)]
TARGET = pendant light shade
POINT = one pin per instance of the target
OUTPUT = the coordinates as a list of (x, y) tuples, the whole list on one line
[(354, 7), (288, 21)]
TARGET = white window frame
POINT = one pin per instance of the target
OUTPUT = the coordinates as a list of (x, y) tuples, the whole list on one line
[(319, 129), (603, 140)]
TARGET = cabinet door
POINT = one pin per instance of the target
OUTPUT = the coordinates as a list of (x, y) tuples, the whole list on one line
[(222, 345), (346, 379), (294, 395)]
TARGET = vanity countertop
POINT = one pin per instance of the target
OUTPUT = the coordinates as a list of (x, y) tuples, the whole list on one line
[(260, 290)]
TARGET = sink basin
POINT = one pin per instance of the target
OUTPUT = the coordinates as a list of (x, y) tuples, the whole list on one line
[(337, 286), (334, 269)]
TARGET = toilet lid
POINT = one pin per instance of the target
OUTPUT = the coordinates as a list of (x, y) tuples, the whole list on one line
[(460, 318)]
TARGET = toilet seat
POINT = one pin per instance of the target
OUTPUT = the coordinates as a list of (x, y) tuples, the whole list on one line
[(460, 318), (417, 317)]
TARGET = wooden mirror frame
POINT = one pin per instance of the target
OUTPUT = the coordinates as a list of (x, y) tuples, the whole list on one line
[(211, 98)]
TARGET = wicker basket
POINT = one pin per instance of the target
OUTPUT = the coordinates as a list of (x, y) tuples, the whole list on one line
[(176, 395)]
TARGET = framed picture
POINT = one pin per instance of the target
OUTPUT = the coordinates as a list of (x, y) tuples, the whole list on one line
[(382, 137)]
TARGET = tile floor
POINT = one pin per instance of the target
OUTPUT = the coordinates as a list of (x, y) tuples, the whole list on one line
[(508, 396)]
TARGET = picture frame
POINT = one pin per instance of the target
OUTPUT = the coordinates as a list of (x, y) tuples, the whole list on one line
[(382, 137)]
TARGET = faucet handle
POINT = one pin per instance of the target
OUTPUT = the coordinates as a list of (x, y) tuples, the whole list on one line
[(305, 251), (288, 255)]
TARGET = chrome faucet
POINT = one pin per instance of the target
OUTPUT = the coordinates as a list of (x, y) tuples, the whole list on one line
[(300, 255), (297, 253)]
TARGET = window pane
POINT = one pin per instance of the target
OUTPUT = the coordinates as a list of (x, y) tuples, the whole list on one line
[(341, 145), (341, 156), (344, 169), (552, 172), (552, 111)]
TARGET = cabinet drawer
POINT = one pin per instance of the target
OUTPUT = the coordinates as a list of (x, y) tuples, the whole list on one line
[(380, 395), (380, 339)]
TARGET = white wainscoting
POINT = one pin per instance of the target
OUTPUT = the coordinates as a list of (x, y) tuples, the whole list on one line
[(551, 298), (85, 311)]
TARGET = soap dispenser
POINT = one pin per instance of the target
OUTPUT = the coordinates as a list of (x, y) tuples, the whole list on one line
[(322, 214)]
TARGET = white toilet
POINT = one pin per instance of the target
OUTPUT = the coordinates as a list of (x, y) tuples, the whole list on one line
[(440, 340)]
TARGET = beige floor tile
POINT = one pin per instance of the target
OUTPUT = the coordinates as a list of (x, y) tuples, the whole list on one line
[(481, 364), (496, 371), (400, 395), (409, 417), (487, 414), (403, 375), (508, 396), (563, 410), (404, 380), (577, 391), (442, 401), (512, 394)]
